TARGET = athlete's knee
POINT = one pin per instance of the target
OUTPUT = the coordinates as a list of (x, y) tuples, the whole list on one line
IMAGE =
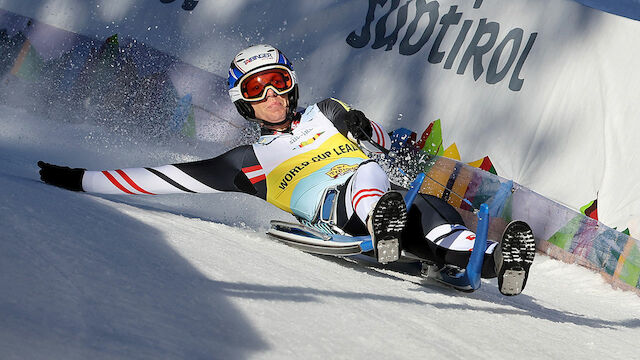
[(366, 186), (372, 172), (452, 236)]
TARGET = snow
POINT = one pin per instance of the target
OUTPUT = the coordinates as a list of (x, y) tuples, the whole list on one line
[(195, 277)]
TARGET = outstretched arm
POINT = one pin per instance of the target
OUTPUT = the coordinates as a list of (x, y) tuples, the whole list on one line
[(231, 171), (353, 123)]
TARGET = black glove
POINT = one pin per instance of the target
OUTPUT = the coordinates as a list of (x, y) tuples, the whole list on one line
[(61, 176), (358, 125)]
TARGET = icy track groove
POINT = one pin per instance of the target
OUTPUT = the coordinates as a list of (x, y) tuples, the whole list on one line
[(194, 277)]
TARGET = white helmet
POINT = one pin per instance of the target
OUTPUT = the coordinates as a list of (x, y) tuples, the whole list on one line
[(247, 81)]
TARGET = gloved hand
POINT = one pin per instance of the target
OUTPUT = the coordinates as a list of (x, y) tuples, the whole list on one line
[(61, 176), (358, 125)]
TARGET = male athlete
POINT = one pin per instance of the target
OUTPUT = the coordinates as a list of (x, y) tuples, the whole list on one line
[(303, 162)]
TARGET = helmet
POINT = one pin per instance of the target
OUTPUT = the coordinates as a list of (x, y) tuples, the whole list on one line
[(251, 62)]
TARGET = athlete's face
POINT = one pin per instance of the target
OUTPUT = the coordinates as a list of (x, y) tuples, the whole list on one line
[(273, 109)]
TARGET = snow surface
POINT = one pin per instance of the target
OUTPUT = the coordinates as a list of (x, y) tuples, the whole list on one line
[(195, 277)]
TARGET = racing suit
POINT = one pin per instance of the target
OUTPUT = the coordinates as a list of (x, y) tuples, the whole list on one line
[(296, 170)]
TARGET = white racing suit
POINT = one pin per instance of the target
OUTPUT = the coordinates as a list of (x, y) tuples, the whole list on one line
[(312, 171)]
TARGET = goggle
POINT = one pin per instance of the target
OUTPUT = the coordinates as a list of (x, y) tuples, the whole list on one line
[(254, 87)]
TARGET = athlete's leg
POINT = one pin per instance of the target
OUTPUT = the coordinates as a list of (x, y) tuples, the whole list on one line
[(453, 244), (358, 196), (368, 200), (435, 231), (364, 189)]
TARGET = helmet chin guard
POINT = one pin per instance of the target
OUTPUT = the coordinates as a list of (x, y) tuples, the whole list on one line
[(250, 61)]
